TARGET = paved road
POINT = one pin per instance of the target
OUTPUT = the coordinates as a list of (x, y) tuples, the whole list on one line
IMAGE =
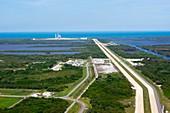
[(16, 96), (153, 96), (77, 99), (16, 103), (83, 106), (139, 104), (95, 69), (13, 96), (19, 89), (87, 75)]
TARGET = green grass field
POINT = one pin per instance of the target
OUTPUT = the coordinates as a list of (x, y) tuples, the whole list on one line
[(6, 102), (75, 108), (14, 92)]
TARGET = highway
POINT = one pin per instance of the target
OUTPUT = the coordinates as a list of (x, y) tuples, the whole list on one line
[(139, 102), (153, 96)]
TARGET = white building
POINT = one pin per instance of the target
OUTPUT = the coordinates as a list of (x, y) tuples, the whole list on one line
[(47, 94), (135, 62), (57, 67), (77, 62), (36, 95)]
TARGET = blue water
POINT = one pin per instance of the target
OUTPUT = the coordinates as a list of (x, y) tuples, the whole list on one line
[(134, 39), (151, 52), (80, 34), (32, 47), (36, 47), (39, 53)]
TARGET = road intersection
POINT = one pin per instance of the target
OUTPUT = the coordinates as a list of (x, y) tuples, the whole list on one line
[(125, 70)]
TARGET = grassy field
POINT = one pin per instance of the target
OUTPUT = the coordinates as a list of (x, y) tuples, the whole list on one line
[(86, 101), (38, 105), (129, 103), (75, 108), (15, 92), (6, 102)]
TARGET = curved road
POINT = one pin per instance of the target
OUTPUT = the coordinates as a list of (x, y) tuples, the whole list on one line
[(83, 106), (77, 99), (153, 96)]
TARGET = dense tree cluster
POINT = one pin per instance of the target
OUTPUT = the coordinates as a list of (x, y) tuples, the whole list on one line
[(33, 71), (157, 69), (105, 94), (38, 76), (39, 105), (161, 49), (129, 52)]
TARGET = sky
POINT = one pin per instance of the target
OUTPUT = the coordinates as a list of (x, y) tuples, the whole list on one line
[(84, 15)]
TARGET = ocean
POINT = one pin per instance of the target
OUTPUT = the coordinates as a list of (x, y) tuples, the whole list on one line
[(81, 34)]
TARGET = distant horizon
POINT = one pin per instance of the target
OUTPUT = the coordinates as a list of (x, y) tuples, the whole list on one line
[(77, 31), (89, 34)]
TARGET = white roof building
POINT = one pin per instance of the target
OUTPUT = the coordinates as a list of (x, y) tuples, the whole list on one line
[(36, 95), (47, 94)]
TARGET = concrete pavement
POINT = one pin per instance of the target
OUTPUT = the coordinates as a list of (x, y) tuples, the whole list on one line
[(139, 103), (153, 96)]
